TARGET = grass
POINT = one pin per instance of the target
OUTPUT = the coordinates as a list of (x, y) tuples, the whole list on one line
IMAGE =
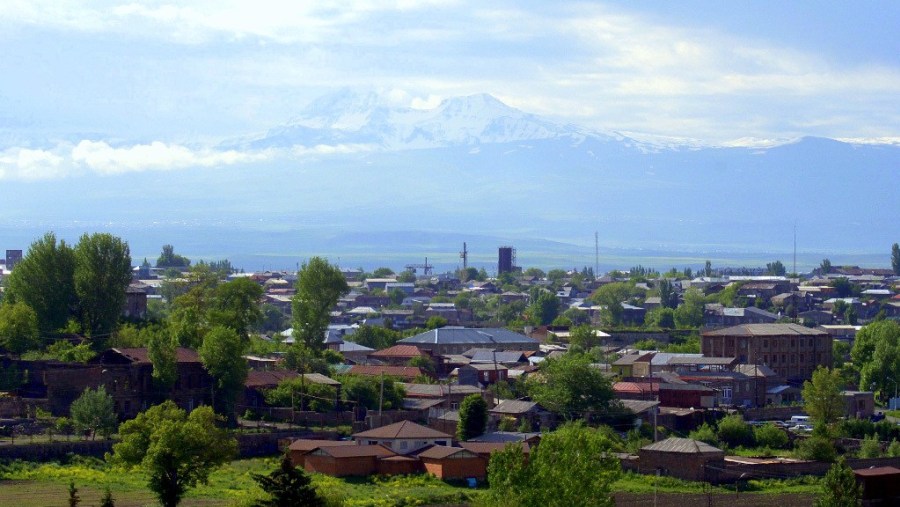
[(28, 484)]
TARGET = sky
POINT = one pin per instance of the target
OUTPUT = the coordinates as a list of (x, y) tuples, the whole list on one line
[(111, 86)]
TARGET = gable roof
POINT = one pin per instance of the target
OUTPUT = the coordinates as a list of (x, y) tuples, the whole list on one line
[(402, 429), (355, 451), (443, 451), (514, 407), (399, 351), (139, 355), (682, 445), (407, 372), (305, 444), (468, 336)]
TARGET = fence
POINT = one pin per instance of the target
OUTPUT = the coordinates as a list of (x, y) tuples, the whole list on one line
[(713, 500)]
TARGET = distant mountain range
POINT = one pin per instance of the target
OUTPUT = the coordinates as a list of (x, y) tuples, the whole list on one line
[(352, 174)]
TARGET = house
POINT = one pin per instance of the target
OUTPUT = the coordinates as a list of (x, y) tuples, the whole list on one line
[(624, 366), (456, 340), (449, 396), (453, 463), (683, 458), (403, 437), (127, 374), (302, 446), (407, 373), (474, 374), (399, 355), (716, 315), (528, 411), (859, 404), (687, 395), (792, 351), (880, 485), (346, 460)]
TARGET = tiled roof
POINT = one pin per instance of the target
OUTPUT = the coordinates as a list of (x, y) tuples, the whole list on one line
[(357, 451), (407, 372), (402, 429), (304, 444), (401, 351), (438, 390), (443, 451), (682, 445)]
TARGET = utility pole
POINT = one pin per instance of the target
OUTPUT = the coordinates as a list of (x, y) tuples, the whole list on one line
[(381, 397), (596, 254)]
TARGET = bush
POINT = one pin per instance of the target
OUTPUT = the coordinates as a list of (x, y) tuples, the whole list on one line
[(816, 448), (870, 448), (735, 432), (706, 434), (770, 436)]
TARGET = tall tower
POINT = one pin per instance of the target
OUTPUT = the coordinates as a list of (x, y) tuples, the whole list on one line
[(464, 255), (506, 260)]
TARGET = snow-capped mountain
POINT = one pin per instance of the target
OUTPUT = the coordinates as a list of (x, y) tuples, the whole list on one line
[(348, 117)]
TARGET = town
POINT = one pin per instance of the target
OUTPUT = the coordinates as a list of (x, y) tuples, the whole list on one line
[(489, 386)]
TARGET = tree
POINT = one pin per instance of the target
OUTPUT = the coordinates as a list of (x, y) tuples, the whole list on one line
[(319, 287), (571, 387), (895, 258), (473, 415), (102, 273), (690, 313), (839, 488), (287, 486), (222, 356), (435, 322), (74, 499), (176, 450), (843, 287), (365, 391), (236, 305), (610, 297), (169, 259), (107, 499), (734, 431), (162, 350), (825, 266), (770, 436), (544, 308), (18, 328), (663, 318), (94, 411), (822, 397), (668, 298), (44, 280), (573, 466), (876, 351), (775, 268), (707, 269)]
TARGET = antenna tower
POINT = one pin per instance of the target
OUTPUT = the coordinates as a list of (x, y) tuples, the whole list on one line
[(596, 254), (464, 255), (795, 248)]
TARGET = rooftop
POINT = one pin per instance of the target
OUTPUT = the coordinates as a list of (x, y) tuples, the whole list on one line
[(451, 335), (754, 330), (402, 429)]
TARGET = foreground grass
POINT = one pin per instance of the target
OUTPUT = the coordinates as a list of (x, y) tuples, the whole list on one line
[(27, 484), (41, 484)]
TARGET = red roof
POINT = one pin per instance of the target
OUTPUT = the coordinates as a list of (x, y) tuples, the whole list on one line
[(406, 372), (268, 378), (636, 387), (877, 471), (304, 444), (402, 429), (399, 351)]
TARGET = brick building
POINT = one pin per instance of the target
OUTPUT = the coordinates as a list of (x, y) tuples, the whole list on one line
[(683, 458), (792, 351)]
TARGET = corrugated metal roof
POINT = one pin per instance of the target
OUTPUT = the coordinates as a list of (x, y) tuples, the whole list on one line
[(469, 336), (514, 407), (766, 330)]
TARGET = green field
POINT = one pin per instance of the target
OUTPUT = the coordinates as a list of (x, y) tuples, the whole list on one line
[(46, 484)]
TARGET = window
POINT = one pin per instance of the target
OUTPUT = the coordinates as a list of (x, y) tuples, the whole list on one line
[(454, 406), (765, 344)]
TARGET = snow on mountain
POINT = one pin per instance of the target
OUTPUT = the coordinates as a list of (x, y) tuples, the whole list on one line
[(352, 118)]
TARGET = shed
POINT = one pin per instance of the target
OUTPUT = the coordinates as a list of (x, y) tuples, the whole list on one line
[(684, 458)]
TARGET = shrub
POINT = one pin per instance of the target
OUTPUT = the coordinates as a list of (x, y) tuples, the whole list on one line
[(816, 448), (870, 448), (706, 434), (770, 436), (735, 432)]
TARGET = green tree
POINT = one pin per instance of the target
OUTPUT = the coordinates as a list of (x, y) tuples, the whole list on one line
[(473, 415), (364, 391), (825, 266), (319, 287), (876, 351), (222, 356), (668, 298), (895, 258), (734, 431), (839, 489), (435, 322), (176, 450), (610, 297), (775, 268), (375, 337), (543, 309), (169, 259), (822, 397), (236, 305), (162, 350), (44, 280), (574, 466), (94, 411), (770, 436), (74, 499), (690, 313), (663, 318), (287, 486), (870, 447), (707, 269), (705, 433), (19, 330), (107, 499), (102, 273), (571, 387)]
